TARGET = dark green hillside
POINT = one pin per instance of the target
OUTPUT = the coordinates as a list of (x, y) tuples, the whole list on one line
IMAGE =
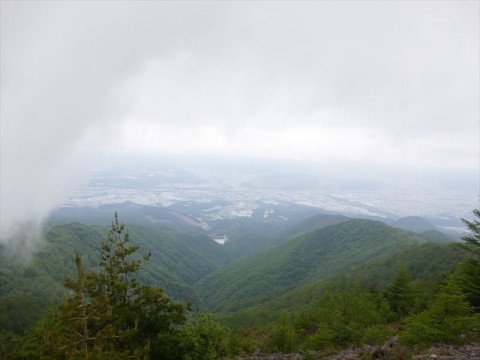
[(188, 256), (423, 262), (246, 234), (27, 289), (426, 262), (179, 258), (313, 256), (18, 313), (42, 277)]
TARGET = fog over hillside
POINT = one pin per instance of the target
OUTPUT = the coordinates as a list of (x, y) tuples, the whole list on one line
[(379, 100)]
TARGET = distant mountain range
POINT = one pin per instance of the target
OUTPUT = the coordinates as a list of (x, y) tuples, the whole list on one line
[(129, 211), (254, 229), (313, 256), (416, 224), (261, 263)]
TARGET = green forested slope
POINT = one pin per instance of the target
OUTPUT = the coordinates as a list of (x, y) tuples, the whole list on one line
[(42, 276), (247, 236), (190, 266), (427, 261), (312, 256), (179, 258), (186, 255)]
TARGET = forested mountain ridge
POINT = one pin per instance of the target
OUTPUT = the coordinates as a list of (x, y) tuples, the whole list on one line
[(29, 288), (309, 257), (179, 258), (42, 276), (249, 235), (425, 262), (183, 257), (344, 283)]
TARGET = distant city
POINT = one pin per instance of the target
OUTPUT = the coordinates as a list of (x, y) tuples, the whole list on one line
[(208, 193)]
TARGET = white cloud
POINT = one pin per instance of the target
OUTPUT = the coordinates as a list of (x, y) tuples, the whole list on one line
[(394, 82)]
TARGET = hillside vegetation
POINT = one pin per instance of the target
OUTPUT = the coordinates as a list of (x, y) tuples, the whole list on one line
[(179, 259), (326, 282), (309, 257), (427, 263)]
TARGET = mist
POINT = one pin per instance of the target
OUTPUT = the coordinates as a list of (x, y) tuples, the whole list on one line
[(367, 84)]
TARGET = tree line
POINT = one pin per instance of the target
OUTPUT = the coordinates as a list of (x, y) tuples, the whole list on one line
[(109, 314)]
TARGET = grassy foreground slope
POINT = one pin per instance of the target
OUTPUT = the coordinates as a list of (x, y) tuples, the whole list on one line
[(313, 256)]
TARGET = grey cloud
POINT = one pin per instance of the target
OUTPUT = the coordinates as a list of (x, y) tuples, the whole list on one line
[(68, 69), (61, 63)]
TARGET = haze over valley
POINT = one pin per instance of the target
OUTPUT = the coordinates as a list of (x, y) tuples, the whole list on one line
[(210, 189), (206, 180)]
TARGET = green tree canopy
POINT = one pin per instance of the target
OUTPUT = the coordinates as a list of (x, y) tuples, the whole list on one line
[(400, 294), (472, 240), (449, 319), (108, 314), (467, 276)]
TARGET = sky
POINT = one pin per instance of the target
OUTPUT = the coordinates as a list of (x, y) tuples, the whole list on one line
[(383, 82)]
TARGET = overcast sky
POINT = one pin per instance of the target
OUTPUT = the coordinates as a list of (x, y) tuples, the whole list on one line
[(388, 82)]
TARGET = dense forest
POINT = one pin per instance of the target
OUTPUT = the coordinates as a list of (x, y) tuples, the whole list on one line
[(152, 291)]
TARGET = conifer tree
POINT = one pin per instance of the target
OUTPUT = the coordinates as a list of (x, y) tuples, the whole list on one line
[(467, 276), (109, 315), (76, 316), (400, 294), (283, 334), (202, 338), (473, 239), (344, 315), (449, 319)]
